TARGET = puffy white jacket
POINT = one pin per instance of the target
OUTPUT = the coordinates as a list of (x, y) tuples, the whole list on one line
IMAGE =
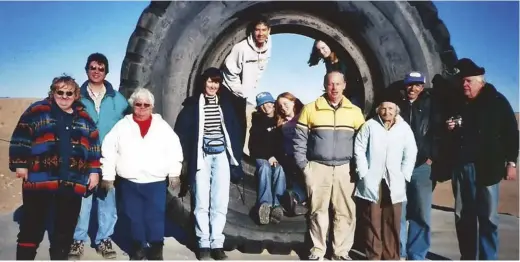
[(244, 66), (378, 151), (141, 160)]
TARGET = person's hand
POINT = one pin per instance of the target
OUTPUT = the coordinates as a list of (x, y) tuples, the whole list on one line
[(22, 173), (510, 172), (174, 182), (273, 161), (93, 180), (429, 162), (450, 124), (107, 185)]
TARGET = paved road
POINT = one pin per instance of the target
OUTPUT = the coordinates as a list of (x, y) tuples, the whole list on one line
[(444, 242)]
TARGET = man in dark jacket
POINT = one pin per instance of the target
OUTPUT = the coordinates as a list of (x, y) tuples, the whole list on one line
[(263, 148), (417, 110), (484, 139), (208, 131)]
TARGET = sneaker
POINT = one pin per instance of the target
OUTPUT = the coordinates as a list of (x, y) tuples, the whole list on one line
[(105, 249), (263, 213), (76, 250), (315, 257), (218, 254), (204, 254), (346, 258), (276, 215)]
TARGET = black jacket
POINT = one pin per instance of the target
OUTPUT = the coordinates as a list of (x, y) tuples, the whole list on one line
[(187, 128), (263, 137), (423, 118), (495, 129)]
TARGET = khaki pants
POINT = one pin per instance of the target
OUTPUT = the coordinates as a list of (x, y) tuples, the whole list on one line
[(381, 223), (326, 184)]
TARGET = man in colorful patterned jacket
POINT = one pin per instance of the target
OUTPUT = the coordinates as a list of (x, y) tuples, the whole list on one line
[(55, 150)]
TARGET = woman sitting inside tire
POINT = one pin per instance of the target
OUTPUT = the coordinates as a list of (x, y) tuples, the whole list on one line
[(144, 151), (288, 108), (263, 148)]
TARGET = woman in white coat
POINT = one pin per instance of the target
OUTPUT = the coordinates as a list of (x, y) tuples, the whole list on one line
[(144, 151), (385, 153)]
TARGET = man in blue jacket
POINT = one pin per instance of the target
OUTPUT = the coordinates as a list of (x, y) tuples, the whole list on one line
[(106, 106)]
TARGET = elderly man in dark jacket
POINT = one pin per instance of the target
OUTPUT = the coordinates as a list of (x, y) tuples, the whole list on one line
[(417, 109), (484, 137)]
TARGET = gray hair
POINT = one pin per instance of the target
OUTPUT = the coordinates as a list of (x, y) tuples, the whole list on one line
[(397, 109), (141, 93)]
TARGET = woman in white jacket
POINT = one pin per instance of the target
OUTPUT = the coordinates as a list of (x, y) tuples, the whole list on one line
[(144, 151), (385, 153)]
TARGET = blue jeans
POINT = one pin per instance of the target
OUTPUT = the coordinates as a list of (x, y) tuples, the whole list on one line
[(415, 240), (271, 183), (107, 217), (211, 191), (299, 191), (476, 215), (145, 206)]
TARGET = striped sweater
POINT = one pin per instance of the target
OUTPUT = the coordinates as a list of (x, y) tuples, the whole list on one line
[(213, 120), (34, 146)]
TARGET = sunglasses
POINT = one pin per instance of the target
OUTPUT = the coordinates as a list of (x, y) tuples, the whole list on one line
[(100, 69), (145, 105), (68, 93)]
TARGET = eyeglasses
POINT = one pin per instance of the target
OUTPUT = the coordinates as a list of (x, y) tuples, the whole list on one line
[(94, 68), (145, 105), (68, 93)]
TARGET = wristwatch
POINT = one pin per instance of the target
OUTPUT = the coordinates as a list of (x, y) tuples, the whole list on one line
[(513, 164)]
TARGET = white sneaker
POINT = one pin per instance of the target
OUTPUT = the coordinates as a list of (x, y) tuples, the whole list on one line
[(315, 257)]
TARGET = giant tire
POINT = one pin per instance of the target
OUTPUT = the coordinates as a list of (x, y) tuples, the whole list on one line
[(174, 41)]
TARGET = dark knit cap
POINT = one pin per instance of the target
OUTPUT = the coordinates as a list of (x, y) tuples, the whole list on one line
[(467, 67)]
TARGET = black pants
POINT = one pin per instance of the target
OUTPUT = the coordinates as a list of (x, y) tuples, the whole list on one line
[(36, 206)]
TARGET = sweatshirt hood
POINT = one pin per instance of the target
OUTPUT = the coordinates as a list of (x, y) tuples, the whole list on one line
[(252, 44)]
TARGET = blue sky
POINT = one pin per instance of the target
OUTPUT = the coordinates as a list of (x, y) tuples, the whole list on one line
[(47, 39)]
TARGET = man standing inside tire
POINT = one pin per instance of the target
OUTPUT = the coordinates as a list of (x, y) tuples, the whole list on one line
[(484, 135), (106, 106), (243, 68), (323, 148), (417, 110)]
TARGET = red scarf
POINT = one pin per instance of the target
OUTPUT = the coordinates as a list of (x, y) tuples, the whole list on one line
[(144, 125)]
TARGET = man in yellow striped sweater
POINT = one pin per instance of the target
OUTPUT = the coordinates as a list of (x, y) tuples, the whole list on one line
[(323, 147)]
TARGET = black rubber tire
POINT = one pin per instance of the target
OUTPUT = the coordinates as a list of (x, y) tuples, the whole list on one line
[(174, 41)]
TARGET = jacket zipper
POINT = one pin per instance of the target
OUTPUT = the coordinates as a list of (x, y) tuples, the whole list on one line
[(334, 140)]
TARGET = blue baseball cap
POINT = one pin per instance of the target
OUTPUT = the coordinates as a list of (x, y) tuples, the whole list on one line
[(414, 77), (264, 97)]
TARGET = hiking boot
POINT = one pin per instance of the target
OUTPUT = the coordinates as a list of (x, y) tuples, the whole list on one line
[(218, 254), (263, 213), (155, 252), (138, 252), (276, 215), (105, 249), (76, 250), (204, 254), (346, 258)]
